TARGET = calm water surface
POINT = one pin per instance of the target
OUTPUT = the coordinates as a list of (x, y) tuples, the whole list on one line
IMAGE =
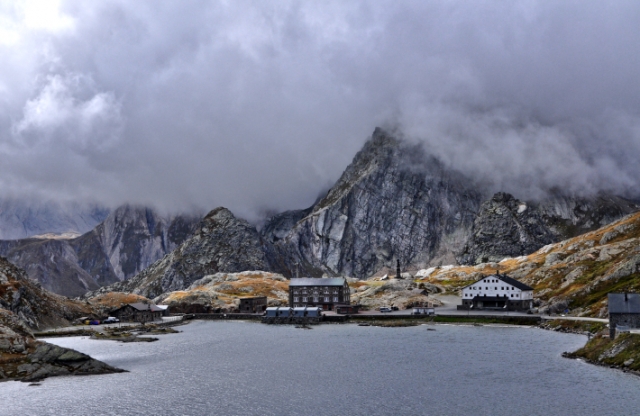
[(244, 368)]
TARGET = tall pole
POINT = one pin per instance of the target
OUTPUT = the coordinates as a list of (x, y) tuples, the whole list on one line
[(398, 269)]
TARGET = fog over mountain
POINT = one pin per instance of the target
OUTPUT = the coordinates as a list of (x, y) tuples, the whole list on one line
[(260, 106)]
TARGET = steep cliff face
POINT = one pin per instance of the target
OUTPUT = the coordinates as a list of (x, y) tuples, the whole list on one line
[(221, 243), (277, 227), (126, 242), (507, 227), (392, 202)]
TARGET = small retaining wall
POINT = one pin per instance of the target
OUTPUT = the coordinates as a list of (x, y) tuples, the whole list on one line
[(291, 320), (217, 316)]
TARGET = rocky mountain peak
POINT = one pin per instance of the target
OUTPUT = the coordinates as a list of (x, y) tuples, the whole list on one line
[(218, 218), (393, 202), (376, 152)]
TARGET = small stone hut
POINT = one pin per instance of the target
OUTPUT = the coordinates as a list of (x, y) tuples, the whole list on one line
[(253, 305)]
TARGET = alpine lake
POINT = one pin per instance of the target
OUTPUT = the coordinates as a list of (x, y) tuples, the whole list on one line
[(248, 368)]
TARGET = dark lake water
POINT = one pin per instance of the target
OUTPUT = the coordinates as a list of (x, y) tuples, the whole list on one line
[(243, 368)]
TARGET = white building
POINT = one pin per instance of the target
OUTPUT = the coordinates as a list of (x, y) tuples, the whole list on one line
[(497, 291)]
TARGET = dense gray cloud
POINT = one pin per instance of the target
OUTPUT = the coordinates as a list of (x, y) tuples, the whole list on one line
[(260, 105)]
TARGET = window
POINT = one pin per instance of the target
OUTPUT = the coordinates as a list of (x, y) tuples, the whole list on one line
[(326, 298), (335, 298), (304, 299), (315, 299), (295, 299)]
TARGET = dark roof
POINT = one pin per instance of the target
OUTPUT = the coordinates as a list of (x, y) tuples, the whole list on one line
[(508, 280), (146, 307), (311, 281), (513, 282), (617, 303)]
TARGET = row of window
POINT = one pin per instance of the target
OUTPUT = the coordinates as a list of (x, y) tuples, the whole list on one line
[(470, 295), (304, 292), (315, 299), (494, 288)]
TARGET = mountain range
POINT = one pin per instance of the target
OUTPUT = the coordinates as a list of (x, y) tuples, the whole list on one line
[(394, 202)]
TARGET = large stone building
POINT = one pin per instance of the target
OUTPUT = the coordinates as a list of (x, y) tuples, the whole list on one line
[(324, 292), (497, 291), (624, 312)]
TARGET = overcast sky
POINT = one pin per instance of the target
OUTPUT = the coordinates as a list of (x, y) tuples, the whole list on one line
[(260, 105)]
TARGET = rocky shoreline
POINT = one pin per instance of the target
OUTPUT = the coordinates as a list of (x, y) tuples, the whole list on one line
[(24, 358), (622, 353)]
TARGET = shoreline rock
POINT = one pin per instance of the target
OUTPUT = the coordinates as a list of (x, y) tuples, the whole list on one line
[(24, 358)]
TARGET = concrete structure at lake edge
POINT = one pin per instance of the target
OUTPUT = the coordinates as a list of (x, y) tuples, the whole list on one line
[(323, 292), (624, 312), (497, 291)]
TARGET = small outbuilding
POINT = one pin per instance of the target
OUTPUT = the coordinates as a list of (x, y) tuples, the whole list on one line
[(253, 305), (279, 312), (307, 311), (347, 309), (138, 312), (624, 312)]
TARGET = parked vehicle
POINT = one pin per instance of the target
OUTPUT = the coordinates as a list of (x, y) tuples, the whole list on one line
[(385, 309), (395, 308), (94, 322), (111, 320)]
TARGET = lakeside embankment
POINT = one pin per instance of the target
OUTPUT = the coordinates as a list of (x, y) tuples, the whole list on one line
[(622, 353)]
